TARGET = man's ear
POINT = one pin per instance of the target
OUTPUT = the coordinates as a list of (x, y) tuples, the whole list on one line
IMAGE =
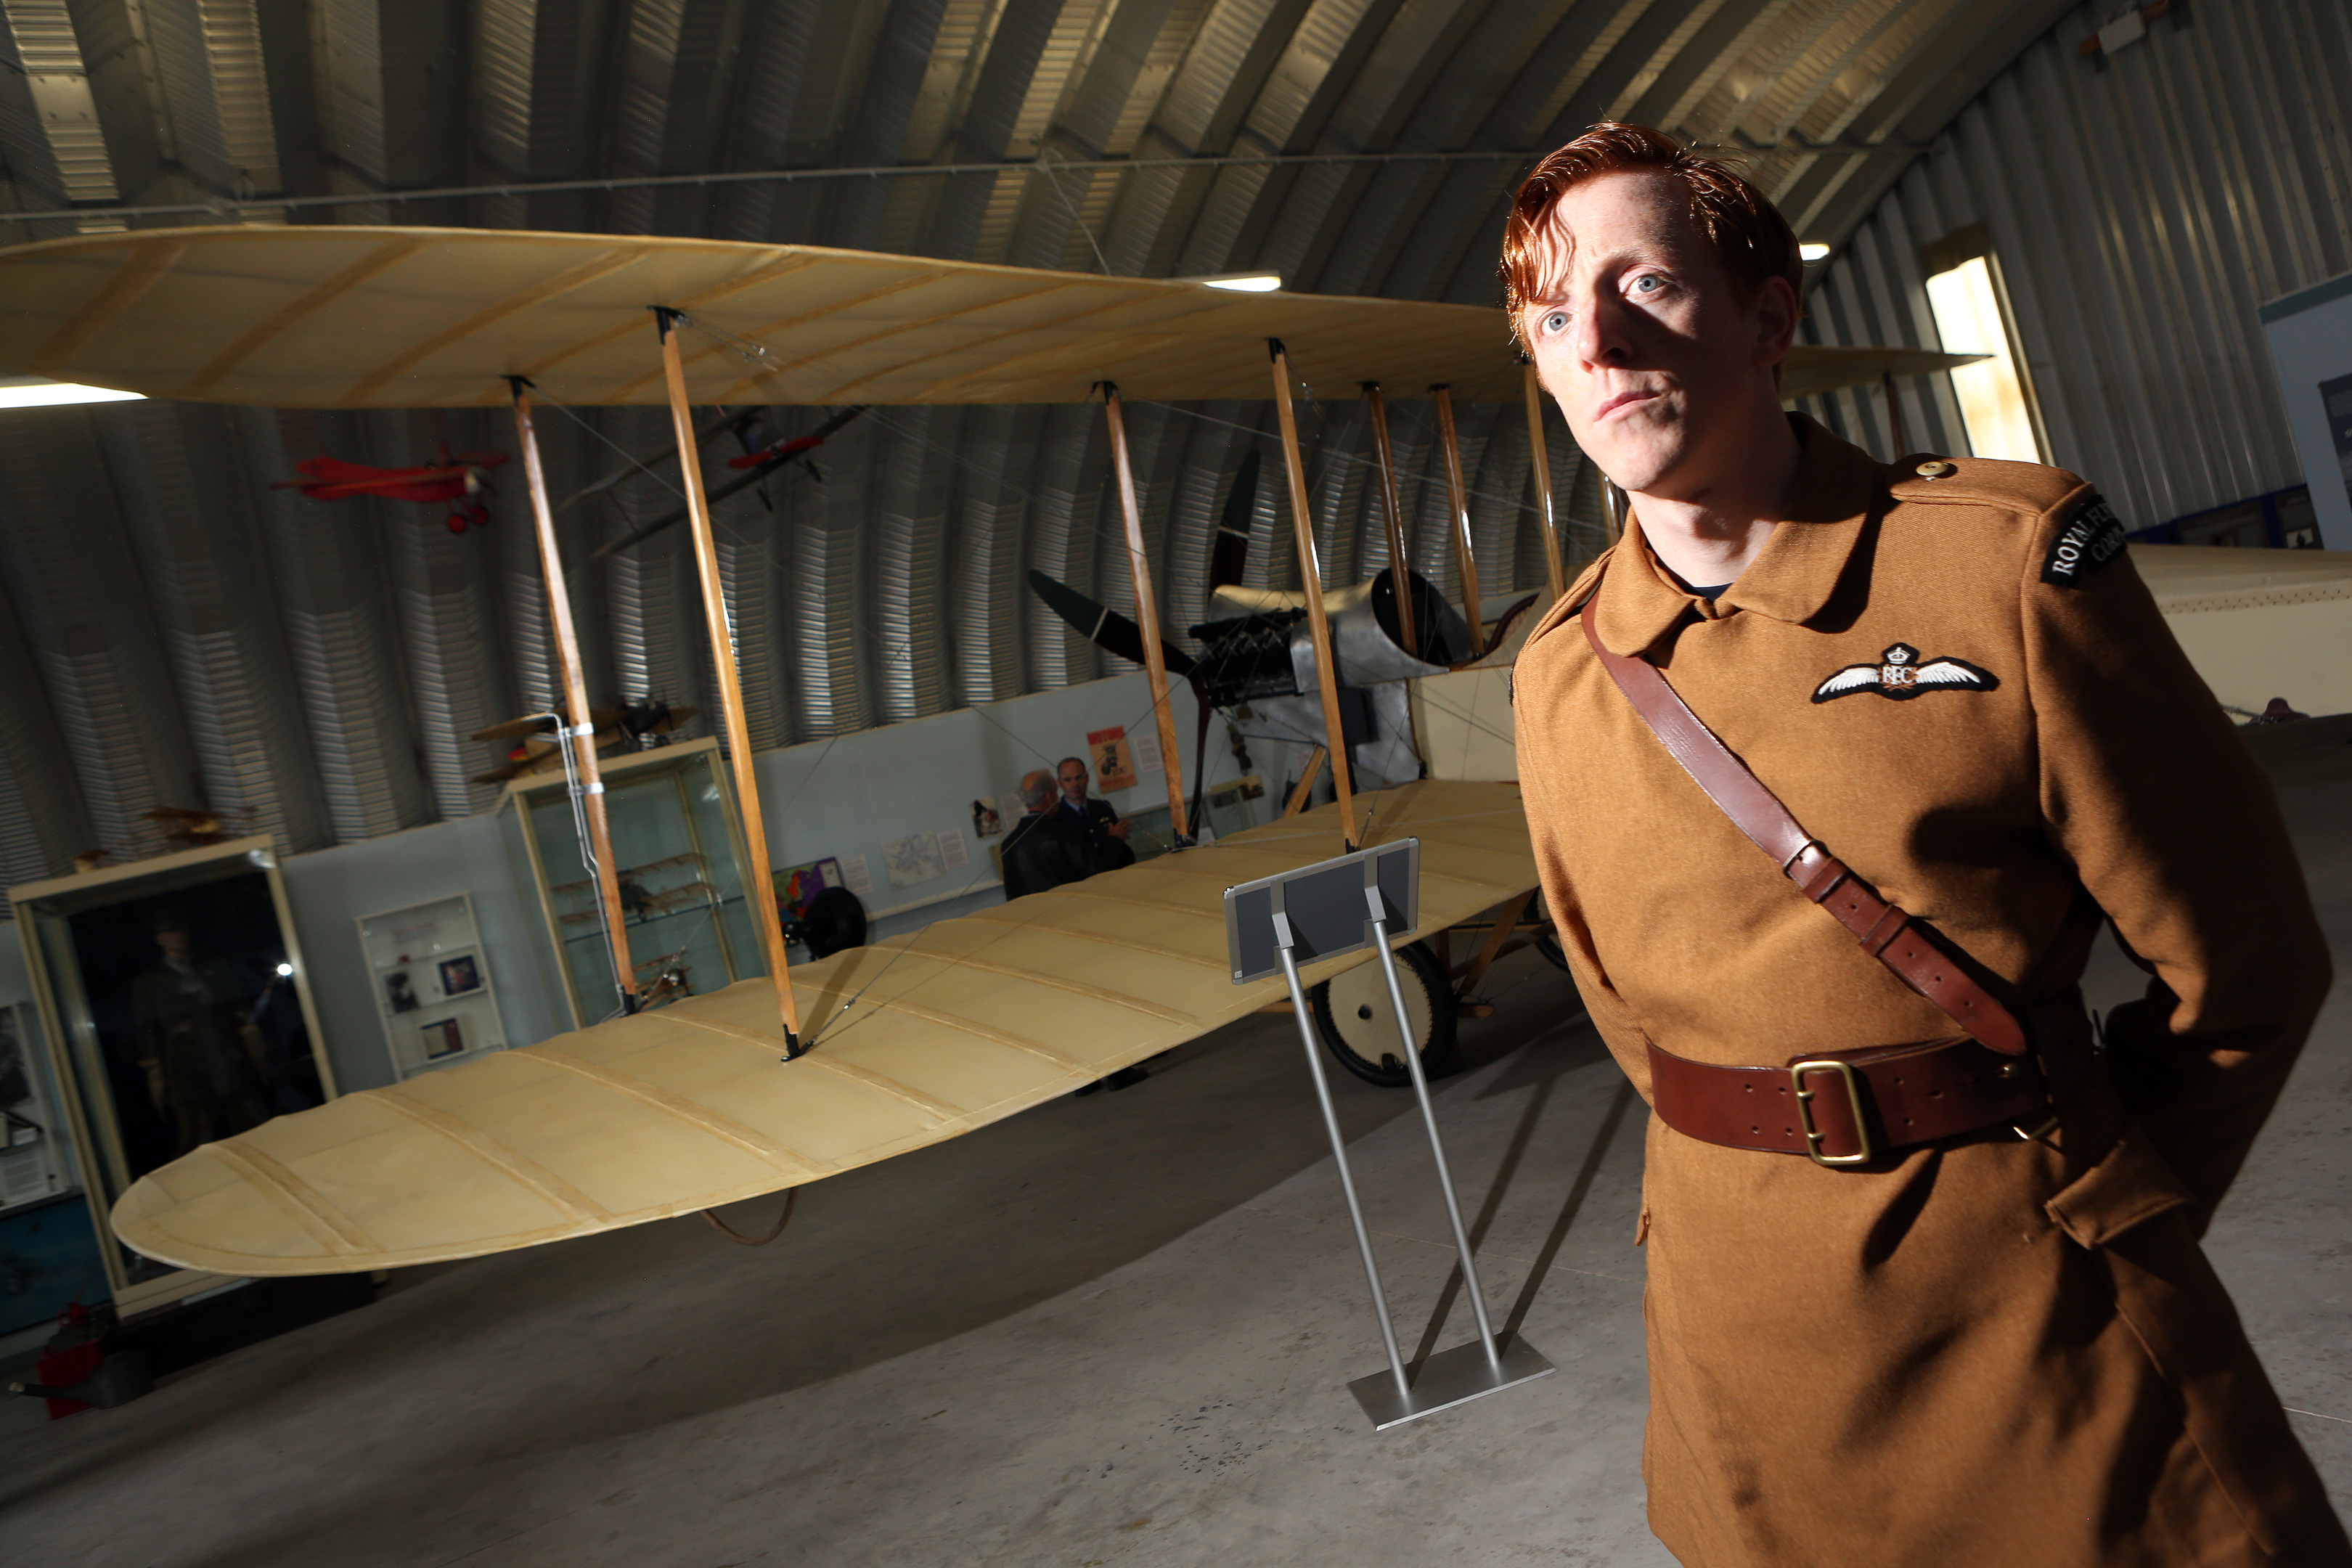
[(1776, 321)]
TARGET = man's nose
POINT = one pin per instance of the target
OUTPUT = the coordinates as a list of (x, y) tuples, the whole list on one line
[(1598, 337)]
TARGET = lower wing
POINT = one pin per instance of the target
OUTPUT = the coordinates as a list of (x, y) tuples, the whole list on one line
[(913, 1042)]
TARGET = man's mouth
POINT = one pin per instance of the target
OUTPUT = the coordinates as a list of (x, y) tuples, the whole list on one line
[(1621, 400)]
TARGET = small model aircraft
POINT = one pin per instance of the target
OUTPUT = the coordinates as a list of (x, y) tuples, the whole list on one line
[(642, 724), (456, 478)]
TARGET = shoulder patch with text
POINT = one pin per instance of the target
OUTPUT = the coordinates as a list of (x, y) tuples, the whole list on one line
[(2094, 537)]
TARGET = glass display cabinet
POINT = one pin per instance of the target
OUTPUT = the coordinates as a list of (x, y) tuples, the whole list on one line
[(178, 1013), (681, 861)]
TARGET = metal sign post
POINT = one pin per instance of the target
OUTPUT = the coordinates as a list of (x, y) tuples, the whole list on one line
[(1339, 906)]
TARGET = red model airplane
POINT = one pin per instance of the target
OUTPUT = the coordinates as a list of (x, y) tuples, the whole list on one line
[(455, 479)]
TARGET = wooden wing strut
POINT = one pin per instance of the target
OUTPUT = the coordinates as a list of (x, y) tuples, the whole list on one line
[(1310, 578), (1147, 617), (757, 893), (580, 734)]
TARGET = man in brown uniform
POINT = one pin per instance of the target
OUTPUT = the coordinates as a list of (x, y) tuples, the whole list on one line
[(1999, 1347)]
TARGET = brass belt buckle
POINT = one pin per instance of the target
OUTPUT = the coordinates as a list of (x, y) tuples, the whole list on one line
[(1797, 1072)]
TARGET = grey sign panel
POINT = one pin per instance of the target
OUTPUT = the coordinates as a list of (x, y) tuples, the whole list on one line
[(1325, 906)]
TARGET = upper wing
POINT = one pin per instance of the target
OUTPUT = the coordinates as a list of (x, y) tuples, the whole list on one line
[(1957, 672), (913, 1041), (1854, 677)]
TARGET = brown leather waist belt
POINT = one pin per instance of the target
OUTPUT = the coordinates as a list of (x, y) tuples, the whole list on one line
[(1844, 1107)]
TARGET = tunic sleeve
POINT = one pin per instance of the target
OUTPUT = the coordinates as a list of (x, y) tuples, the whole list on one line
[(2148, 789)]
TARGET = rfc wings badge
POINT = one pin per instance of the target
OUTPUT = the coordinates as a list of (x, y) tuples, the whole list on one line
[(1902, 676)]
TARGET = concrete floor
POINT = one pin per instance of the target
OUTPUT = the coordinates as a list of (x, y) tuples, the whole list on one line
[(1111, 1331)]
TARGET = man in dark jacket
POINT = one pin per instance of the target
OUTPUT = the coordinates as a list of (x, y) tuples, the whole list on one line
[(1046, 847), (1106, 834)]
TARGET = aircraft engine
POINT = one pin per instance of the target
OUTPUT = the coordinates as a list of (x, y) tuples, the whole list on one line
[(1258, 663)]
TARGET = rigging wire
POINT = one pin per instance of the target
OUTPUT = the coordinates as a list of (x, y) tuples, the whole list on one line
[(829, 1027), (1421, 481)]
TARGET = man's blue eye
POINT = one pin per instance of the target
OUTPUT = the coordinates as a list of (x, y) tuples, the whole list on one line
[(1648, 282), (1556, 323)]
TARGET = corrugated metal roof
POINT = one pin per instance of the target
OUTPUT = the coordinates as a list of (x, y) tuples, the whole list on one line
[(319, 664)]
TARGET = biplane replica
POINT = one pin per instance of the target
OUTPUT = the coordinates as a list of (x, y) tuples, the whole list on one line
[(777, 1081)]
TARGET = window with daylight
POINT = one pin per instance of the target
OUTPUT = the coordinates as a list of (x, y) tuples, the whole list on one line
[(1971, 310)]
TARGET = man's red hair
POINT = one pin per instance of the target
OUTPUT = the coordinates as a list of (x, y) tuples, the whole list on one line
[(1746, 230)]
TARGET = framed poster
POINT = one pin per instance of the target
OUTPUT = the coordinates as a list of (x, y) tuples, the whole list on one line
[(432, 984), (178, 1013), (1114, 759)]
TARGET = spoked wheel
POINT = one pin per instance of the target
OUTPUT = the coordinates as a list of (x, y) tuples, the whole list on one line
[(1353, 1016)]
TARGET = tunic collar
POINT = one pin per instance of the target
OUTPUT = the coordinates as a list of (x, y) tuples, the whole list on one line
[(1838, 488)]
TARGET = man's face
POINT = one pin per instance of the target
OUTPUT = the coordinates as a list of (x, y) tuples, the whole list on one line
[(174, 944), (1074, 782), (1644, 339)]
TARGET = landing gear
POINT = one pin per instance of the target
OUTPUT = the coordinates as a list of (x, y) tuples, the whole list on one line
[(1353, 1016)]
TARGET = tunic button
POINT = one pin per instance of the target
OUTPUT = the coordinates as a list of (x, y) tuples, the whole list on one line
[(1937, 469)]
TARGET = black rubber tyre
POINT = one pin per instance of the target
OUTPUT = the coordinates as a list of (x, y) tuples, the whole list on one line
[(1549, 946), (1352, 1014)]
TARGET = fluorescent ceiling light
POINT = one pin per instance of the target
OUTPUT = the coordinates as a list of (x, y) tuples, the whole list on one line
[(41, 391), (1243, 282), (1812, 252)]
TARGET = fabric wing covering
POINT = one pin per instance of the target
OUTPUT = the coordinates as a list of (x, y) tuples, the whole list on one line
[(917, 1040), (358, 316)]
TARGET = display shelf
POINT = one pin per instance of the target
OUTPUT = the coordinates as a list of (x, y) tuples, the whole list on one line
[(433, 990)]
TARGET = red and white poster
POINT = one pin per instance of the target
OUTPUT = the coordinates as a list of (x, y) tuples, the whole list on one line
[(1114, 759)]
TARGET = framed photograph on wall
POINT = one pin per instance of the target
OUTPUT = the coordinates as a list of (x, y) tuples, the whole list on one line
[(461, 975)]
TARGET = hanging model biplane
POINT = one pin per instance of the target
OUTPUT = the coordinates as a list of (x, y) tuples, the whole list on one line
[(457, 480), (870, 1052)]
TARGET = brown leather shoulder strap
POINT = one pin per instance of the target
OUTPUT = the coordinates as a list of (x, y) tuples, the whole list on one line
[(1885, 932)]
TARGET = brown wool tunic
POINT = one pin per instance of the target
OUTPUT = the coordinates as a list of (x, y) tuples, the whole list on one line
[(1989, 1351)]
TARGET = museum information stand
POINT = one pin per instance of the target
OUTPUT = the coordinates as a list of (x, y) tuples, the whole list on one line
[(1368, 898)]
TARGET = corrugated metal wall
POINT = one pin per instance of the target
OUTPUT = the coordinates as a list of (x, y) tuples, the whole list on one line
[(2142, 205)]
